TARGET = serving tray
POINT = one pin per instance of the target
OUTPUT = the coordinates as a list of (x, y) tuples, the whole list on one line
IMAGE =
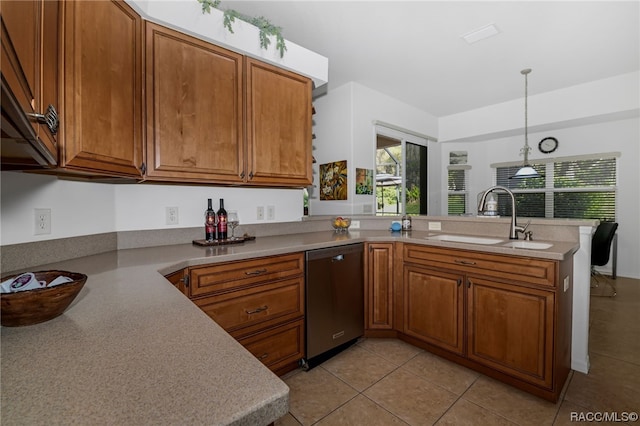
[(237, 240)]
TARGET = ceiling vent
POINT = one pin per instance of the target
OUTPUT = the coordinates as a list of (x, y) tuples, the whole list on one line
[(480, 33)]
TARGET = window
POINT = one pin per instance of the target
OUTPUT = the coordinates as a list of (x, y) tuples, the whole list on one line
[(457, 186), (578, 187), (401, 173)]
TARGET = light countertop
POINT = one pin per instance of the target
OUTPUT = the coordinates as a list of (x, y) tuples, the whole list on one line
[(131, 349)]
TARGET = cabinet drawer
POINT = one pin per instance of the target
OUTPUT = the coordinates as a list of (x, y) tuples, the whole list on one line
[(251, 309), (226, 276), (278, 346), (523, 269)]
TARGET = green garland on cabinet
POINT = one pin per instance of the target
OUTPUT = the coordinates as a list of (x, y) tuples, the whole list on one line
[(266, 28)]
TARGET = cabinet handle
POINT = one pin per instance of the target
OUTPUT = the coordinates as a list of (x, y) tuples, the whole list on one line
[(251, 174), (464, 262), (50, 118), (257, 310), (263, 356), (242, 175), (459, 281), (256, 272), (469, 283)]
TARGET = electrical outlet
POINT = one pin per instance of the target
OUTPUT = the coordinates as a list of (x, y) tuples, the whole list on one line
[(42, 221), (355, 224), (435, 226), (260, 213), (271, 212), (566, 283), (172, 215)]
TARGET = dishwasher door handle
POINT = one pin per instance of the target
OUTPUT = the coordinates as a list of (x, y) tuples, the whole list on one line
[(338, 258)]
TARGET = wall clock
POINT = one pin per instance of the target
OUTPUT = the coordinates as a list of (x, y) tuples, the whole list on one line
[(548, 145)]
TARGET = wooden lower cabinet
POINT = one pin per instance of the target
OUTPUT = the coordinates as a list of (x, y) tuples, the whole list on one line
[(511, 329), (245, 311), (379, 276), (278, 348), (514, 326), (434, 307), (178, 280), (260, 302)]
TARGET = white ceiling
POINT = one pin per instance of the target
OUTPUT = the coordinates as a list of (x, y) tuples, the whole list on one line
[(412, 50)]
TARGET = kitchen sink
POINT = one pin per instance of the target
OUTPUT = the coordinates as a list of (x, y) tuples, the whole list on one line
[(465, 239), (528, 245)]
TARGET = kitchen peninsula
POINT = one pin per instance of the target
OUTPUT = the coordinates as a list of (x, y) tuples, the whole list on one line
[(133, 349)]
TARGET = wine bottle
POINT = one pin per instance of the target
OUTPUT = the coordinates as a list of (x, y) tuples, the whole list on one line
[(222, 221), (210, 222)]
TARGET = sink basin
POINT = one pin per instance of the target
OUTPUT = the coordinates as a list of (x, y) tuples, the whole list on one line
[(528, 245), (465, 239)]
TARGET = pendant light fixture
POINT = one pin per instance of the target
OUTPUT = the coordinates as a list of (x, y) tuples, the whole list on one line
[(526, 171)]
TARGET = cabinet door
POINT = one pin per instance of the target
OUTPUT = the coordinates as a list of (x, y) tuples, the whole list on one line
[(20, 48), (30, 69), (194, 109), (379, 286), (278, 126), (279, 348), (49, 66), (102, 73), (434, 307), (510, 329)]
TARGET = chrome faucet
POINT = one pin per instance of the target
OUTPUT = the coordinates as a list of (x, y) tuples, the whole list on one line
[(513, 231)]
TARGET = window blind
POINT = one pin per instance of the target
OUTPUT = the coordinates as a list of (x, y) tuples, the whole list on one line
[(457, 185), (578, 187)]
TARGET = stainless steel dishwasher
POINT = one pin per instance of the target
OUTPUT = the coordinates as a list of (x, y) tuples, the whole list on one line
[(334, 301)]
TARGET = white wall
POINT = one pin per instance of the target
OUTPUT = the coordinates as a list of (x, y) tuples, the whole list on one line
[(613, 136), (77, 208), (332, 125), (345, 130), (143, 206), (602, 100), (81, 208)]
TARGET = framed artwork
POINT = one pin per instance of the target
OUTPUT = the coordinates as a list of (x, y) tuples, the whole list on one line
[(333, 181), (458, 157), (364, 181)]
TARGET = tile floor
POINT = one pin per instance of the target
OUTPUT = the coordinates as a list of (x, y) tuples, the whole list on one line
[(389, 382)]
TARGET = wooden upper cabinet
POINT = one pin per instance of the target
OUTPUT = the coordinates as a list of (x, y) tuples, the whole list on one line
[(21, 22), (278, 126), (194, 109), (102, 88), (30, 70)]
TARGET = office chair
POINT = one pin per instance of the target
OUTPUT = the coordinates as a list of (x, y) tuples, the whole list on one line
[(600, 253)]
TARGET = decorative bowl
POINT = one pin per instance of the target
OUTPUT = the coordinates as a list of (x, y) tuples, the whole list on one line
[(42, 304), (341, 223)]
